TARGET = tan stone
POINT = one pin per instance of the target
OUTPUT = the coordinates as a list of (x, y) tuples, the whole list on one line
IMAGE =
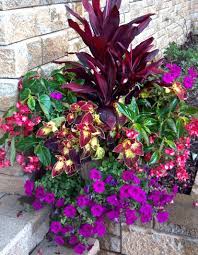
[(141, 243), (111, 243), (8, 93), (183, 218), (16, 59), (31, 22), (55, 45), (12, 184), (103, 252)]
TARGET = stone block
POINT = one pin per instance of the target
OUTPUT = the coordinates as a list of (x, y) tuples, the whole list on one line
[(20, 233), (141, 243), (8, 93), (113, 228), (15, 170), (12, 184), (111, 243), (31, 22), (54, 45), (103, 252), (183, 218), (16, 59), (49, 248)]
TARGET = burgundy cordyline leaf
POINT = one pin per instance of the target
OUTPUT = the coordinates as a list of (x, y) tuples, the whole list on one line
[(75, 87), (108, 116)]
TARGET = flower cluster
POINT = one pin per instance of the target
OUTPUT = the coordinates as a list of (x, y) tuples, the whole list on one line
[(173, 73), (104, 198), (190, 78), (29, 164), (21, 121), (192, 127), (174, 158), (3, 161)]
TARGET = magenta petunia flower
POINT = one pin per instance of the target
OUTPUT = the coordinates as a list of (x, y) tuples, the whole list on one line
[(99, 228), (162, 217), (95, 174), (113, 215), (59, 240), (82, 201), (188, 82), (99, 186), (60, 202), (131, 216), (70, 211), (97, 210), (55, 227), (86, 230), (146, 213), (29, 187), (49, 198), (37, 205), (39, 192), (80, 248), (124, 191), (113, 200), (56, 95), (73, 240)]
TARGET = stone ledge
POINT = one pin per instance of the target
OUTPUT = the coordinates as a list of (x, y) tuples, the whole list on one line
[(12, 184), (20, 231)]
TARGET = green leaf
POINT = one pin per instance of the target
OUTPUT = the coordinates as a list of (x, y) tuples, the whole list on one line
[(58, 121), (10, 112), (149, 122), (30, 74), (172, 124), (126, 111), (24, 95), (133, 106), (155, 157), (31, 103), (3, 138), (145, 136), (43, 154), (173, 105), (170, 143), (12, 151), (26, 143), (45, 104), (179, 127)]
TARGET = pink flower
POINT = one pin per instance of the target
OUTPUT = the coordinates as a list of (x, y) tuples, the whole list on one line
[(37, 205), (55, 227), (29, 187), (80, 248), (59, 240), (97, 210), (162, 217), (95, 174), (70, 211)]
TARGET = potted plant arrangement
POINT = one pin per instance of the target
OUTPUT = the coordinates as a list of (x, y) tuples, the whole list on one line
[(104, 138)]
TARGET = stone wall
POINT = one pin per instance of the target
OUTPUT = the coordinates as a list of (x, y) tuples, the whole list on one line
[(35, 32), (177, 237)]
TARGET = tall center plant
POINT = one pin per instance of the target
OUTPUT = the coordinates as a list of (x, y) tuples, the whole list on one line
[(111, 70)]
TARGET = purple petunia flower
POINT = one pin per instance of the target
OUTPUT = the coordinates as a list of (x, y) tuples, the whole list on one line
[(37, 205), (162, 217), (131, 216), (99, 187), (56, 95), (80, 248), (29, 187), (128, 175), (113, 200), (66, 229), (97, 210), (55, 227), (95, 174), (86, 230), (99, 228), (188, 82), (49, 198), (173, 74), (137, 194), (113, 215), (124, 191), (146, 213), (82, 201), (59, 240), (60, 202), (73, 240), (192, 72), (40, 192), (70, 211)]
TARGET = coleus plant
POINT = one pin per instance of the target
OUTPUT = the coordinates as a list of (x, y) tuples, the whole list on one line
[(112, 71)]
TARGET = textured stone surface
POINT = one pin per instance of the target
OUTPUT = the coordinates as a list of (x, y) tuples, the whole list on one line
[(8, 93), (111, 243), (113, 228), (31, 22), (18, 58), (15, 170), (103, 252), (141, 243), (49, 248), (195, 186), (55, 45), (183, 218), (20, 231), (12, 184)]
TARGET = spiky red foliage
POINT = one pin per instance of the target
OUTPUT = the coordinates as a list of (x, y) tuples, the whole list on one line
[(112, 70)]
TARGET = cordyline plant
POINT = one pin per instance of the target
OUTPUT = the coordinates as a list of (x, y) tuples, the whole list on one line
[(112, 71)]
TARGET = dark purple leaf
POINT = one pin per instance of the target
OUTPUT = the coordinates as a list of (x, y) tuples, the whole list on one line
[(108, 116)]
